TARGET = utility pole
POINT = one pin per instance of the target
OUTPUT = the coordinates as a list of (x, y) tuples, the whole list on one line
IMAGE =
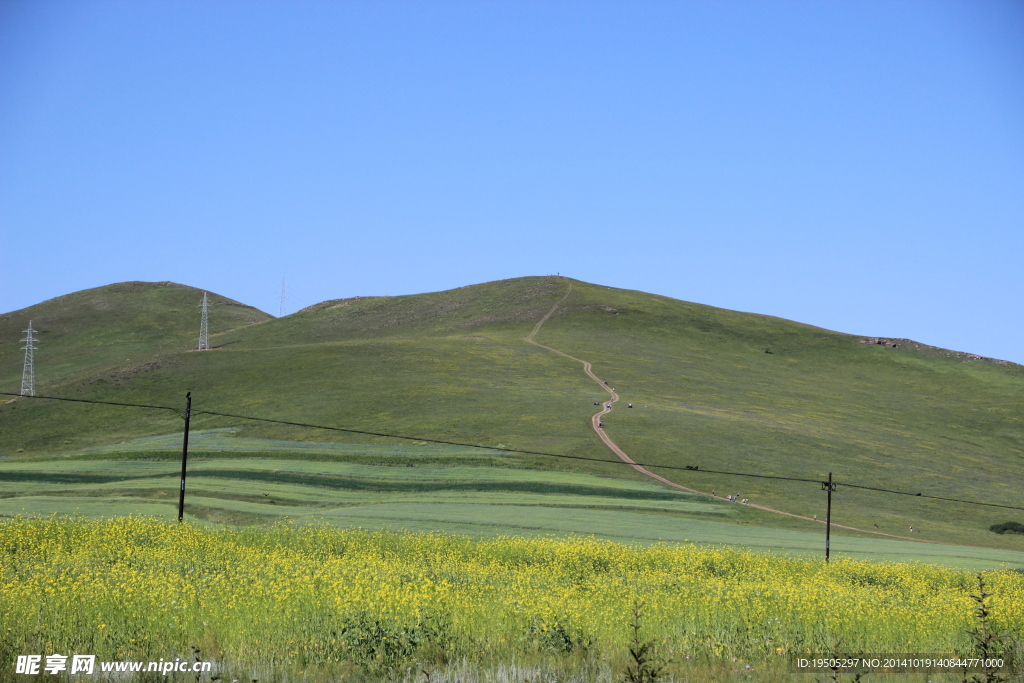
[(283, 310), (830, 487), (28, 373), (184, 456), (204, 336)]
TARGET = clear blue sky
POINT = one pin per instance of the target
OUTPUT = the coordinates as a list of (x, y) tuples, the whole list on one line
[(855, 165)]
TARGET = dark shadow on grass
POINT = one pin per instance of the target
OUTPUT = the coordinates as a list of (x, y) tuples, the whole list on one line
[(356, 484)]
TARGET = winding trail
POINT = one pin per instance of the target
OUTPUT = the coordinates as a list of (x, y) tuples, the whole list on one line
[(595, 422)]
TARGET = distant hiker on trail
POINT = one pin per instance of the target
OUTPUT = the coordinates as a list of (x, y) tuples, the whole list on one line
[(597, 403), (876, 526), (712, 492), (911, 528), (606, 382), (630, 405)]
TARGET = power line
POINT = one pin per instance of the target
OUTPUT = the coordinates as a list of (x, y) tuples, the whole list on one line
[(921, 495), (694, 468), (413, 438), (84, 400), (687, 468), (362, 432)]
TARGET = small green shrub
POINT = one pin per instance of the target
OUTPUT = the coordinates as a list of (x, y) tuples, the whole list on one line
[(1012, 527)]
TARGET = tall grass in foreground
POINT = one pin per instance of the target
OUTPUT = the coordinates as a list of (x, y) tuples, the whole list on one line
[(318, 603)]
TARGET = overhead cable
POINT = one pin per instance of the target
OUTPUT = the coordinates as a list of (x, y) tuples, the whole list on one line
[(687, 468)]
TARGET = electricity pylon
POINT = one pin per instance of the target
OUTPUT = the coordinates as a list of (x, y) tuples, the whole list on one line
[(204, 337), (284, 296), (28, 375)]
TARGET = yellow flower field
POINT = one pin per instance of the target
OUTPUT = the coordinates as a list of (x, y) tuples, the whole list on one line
[(138, 588)]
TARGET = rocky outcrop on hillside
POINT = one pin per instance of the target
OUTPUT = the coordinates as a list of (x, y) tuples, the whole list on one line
[(881, 342), (932, 350)]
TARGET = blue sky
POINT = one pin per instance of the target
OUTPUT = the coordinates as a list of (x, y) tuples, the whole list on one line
[(853, 165)]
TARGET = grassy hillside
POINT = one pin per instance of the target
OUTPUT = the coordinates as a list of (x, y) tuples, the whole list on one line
[(109, 329), (916, 419), (715, 388)]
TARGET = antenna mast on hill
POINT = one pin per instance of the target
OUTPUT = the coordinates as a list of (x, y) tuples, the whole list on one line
[(28, 375), (204, 337), (284, 297)]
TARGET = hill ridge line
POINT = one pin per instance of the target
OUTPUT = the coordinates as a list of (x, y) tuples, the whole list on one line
[(595, 422)]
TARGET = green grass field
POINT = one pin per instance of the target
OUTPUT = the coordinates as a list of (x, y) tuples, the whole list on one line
[(238, 480), (454, 366)]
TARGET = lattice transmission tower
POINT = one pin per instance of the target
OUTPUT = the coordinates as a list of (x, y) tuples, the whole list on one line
[(28, 375), (284, 298), (204, 336)]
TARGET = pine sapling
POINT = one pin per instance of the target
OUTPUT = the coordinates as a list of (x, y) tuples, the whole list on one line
[(645, 667), (986, 644)]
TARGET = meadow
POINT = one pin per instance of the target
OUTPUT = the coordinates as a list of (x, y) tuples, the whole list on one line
[(718, 389), (315, 603), (237, 480), (312, 555)]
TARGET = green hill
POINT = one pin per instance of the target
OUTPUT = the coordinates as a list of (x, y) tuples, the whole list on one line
[(97, 330), (714, 388)]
